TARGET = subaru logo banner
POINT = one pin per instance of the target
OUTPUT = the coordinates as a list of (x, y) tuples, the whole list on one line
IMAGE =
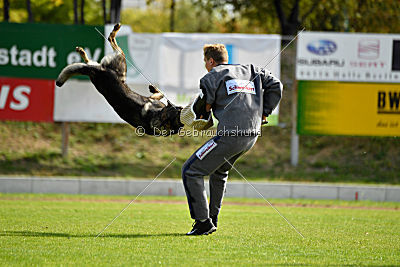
[(329, 56), (322, 47), (348, 84)]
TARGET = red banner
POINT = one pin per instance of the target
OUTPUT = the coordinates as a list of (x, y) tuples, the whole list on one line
[(26, 99)]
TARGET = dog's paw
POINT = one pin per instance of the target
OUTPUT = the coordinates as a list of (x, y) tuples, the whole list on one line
[(117, 26), (59, 83)]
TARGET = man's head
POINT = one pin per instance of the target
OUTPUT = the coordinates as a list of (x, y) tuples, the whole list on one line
[(214, 54)]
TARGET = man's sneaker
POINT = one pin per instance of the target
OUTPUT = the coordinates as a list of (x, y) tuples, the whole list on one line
[(214, 220), (202, 228)]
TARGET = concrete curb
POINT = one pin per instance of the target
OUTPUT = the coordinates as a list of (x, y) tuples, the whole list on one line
[(95, 186)]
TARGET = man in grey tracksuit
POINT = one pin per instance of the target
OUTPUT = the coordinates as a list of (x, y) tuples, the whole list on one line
[(241, 97)]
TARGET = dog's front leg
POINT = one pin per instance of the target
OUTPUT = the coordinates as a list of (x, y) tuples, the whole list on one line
[(157, 96), (83, 54), (156, 93)]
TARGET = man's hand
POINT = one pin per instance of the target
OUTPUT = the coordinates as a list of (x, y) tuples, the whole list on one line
[(264, 120), (208, 109)]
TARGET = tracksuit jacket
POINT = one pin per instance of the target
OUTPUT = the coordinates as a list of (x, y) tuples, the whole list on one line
[(239, 95)]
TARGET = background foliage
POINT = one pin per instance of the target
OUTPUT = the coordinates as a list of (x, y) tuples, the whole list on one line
[(245, 16)]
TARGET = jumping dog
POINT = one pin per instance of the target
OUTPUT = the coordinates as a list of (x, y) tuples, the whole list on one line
[(109, 78)]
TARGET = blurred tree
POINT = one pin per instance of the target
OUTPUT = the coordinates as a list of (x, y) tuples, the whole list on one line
[(172, 17), (6, 9), (244, 16), (268, 16), (290, 25), (380, 16), (139, 19), (287, 17), (115, 11), (103, 5), (53, 11), (82, 11), (75, 11), (157, 18), (29, 10)]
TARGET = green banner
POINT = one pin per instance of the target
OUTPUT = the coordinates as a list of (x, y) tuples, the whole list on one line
[(43, 50)]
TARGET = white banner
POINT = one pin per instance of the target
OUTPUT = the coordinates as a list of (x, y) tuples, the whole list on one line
[(79, 101), (356, 57), (142, 54), (182, 60)]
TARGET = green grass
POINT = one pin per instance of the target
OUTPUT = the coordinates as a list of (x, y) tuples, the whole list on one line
[(61, 230), (113, 150)]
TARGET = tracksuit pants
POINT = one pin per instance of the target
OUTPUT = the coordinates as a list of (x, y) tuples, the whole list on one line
[(209, 160)]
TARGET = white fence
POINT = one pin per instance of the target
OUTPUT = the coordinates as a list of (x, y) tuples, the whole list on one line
[(175, 188)]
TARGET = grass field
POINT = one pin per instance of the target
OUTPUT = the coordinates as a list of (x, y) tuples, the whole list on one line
[(113, 150), (61, 230)]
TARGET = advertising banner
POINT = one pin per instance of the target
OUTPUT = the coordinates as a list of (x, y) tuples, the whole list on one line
[(26, 99), (352, 57), (344, 108), (349, 84), (41, 51), (31, 57)]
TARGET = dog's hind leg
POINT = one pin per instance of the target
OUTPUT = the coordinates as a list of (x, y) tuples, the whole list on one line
[(83, 54), (111, 39), (117, 62)]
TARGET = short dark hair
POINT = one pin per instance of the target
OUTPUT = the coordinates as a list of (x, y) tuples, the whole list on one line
[(217, 52)]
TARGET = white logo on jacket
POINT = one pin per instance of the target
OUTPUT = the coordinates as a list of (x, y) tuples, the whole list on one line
[(204, 150), (240, 86)]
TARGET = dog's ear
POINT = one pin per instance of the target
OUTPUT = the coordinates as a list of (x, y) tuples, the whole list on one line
[(152, 89)]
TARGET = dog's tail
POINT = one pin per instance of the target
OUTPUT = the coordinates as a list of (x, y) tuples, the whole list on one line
[(72, 70)]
